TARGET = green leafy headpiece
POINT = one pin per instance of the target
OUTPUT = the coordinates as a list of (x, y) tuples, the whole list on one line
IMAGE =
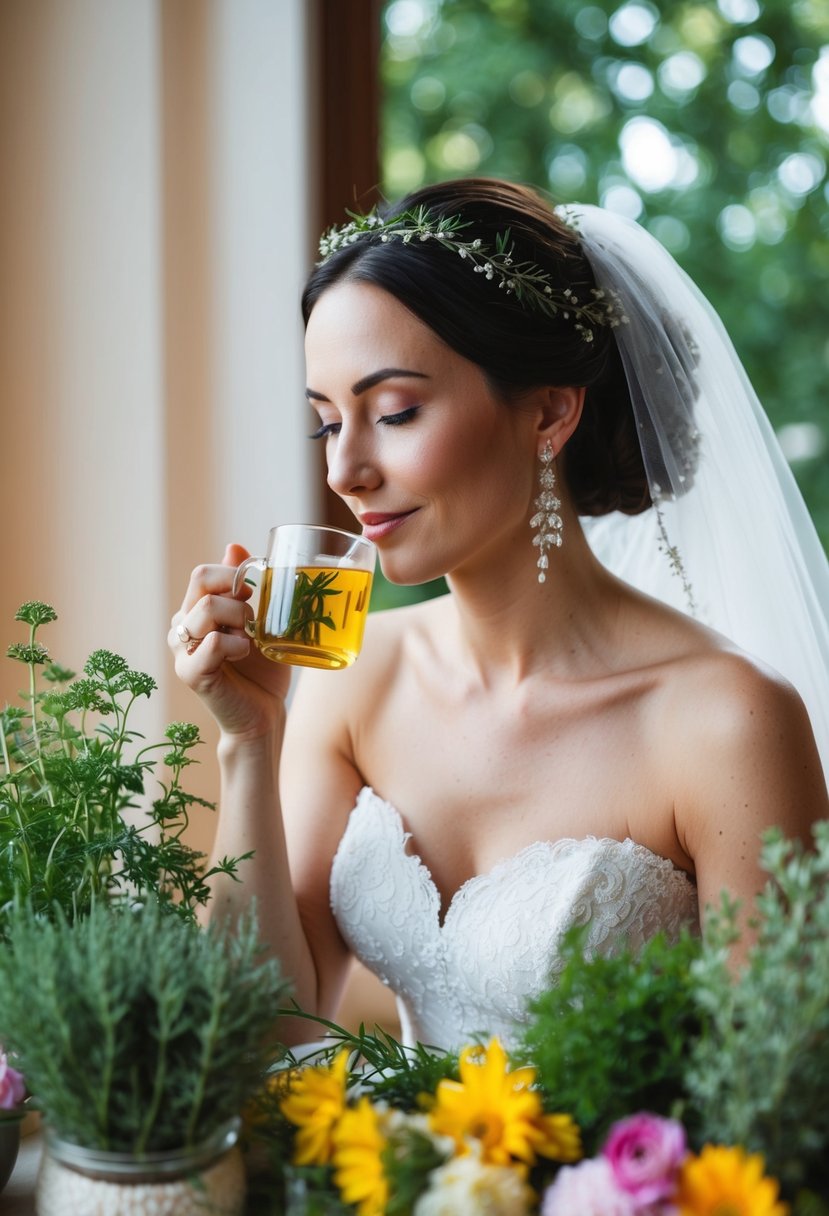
[(526, 281)]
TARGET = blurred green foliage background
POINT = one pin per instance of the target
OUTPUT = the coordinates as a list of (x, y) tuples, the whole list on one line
[(708, 122)]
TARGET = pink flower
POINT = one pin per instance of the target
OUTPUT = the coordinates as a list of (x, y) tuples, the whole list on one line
[(587, 1189), (12, 1085), (644, 1153)]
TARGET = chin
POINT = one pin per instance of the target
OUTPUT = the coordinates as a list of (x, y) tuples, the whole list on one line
[(402, 573)]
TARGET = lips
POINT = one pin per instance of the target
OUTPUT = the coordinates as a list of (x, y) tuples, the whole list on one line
[(378, 524)]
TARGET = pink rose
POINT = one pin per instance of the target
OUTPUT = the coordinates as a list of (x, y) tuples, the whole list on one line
[(645, 1153), (587, 1189), (12, 1085)]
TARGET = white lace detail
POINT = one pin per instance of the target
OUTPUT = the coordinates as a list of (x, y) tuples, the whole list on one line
[(499, 943)]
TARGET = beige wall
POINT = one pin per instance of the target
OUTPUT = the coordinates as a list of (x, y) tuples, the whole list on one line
[(154, 157), (155, 177)]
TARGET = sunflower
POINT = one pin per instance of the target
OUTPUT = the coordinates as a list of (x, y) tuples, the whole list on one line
[(727, 1182), (500, 1110), (315, 1104), (359, 1144)]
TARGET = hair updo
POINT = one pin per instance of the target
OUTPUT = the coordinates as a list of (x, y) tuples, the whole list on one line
[(516, 347)]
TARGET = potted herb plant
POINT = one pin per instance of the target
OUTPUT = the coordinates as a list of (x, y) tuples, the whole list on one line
[(139, 1033), (72, 770), (142, 1036)]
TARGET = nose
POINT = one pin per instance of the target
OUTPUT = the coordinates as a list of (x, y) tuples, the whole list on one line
[(351, 466)]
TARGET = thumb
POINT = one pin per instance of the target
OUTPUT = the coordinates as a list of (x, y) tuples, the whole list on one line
[(234, 554)]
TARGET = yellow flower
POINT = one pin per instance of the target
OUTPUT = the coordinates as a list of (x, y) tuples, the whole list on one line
[(561, 1138), (501, 1111), (315, 1103), (727, 1182), (358, 1160)]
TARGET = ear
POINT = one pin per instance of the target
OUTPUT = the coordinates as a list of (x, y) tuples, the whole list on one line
[(560, 413)]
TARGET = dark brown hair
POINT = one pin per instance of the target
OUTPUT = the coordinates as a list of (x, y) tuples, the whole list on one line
[(517, 347)]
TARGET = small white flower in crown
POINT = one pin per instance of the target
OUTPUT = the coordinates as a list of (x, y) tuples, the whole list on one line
[(546, 518)]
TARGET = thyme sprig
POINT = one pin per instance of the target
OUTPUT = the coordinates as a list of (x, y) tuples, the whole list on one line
[(308, 607)]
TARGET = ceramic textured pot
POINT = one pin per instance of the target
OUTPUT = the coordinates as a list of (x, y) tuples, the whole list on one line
[(209, 1178), (9, 1144)]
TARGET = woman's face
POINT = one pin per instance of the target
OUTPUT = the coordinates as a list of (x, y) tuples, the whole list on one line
[(436, 467)]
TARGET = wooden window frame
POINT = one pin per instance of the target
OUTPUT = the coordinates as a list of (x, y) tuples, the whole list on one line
[(345, 40)]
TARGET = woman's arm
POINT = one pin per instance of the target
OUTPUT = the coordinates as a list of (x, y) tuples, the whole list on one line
[(246, 695)]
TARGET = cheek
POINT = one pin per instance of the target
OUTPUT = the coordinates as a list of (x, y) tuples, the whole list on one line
[(499, 463)]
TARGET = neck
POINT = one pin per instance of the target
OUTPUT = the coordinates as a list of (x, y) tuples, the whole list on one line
[(511, 626)]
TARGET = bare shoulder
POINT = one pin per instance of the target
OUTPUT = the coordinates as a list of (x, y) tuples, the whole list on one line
[(725, 702), (740, 757)]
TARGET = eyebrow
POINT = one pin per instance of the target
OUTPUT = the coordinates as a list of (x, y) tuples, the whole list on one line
[(367, 382)]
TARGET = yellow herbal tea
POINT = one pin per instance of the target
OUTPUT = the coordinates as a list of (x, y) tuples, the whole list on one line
[(312, 616)]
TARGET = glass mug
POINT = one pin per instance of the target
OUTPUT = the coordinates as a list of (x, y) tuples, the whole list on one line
[(313, 598)]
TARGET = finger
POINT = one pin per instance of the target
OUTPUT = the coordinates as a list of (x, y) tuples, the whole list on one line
[(213, 579), (212, 613), (234, 555), (207, 579), (206, 660)]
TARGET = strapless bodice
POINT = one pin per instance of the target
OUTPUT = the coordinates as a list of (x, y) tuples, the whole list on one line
[(499, 944)]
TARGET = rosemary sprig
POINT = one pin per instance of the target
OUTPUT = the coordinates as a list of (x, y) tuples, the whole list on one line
[(308, 607), (138, 1031)]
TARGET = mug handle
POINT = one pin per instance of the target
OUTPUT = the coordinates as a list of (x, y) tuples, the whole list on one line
[(239, 573), (239, 579)]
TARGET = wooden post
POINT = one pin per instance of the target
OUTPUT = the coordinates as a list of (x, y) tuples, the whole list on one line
[(347, 136)]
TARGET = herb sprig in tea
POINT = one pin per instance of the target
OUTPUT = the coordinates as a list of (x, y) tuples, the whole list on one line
[(308, 607)]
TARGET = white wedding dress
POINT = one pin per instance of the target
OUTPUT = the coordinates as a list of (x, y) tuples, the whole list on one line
[(499, 944)]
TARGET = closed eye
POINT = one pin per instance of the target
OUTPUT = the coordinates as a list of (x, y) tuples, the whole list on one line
[(327, 428), (399, 419), (333, 428)]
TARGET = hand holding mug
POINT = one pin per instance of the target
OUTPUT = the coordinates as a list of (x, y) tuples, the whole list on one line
[(210, 639)]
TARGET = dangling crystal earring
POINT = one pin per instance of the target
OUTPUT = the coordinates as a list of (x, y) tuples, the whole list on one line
[(546, 519)]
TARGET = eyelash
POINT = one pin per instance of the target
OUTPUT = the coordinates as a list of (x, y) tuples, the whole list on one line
[(333, 428)]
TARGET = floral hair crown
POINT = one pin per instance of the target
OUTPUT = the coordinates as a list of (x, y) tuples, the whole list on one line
[(525, 280)]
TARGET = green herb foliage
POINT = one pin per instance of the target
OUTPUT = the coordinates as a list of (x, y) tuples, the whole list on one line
[(759, 1074), (308, 607), (67, 778), (392, 1071), (611, 1037), (137, 1031)]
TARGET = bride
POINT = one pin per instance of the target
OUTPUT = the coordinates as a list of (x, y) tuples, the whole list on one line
[(600, 719)]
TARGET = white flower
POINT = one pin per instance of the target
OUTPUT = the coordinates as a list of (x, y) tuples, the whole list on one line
[(587, 1189), (466, 1185)]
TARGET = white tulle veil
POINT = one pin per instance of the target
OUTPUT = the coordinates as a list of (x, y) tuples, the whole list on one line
[(730, 540)]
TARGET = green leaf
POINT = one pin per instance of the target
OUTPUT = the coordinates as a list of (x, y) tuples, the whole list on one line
[(35, 613), (28, 653)]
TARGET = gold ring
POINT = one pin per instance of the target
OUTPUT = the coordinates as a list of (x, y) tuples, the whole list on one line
[(183, 633)]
